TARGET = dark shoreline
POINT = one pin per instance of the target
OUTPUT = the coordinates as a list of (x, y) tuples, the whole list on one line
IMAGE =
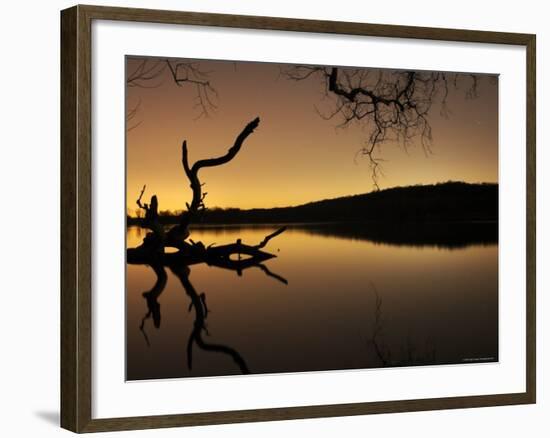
[(449, 235), (451, 202)]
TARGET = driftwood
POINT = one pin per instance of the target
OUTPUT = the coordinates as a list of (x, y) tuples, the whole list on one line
[(235, 256), (220, 256), (152, 250), (180, 232)]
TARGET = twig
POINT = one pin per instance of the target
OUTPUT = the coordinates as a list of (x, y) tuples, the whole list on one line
[(269, 237), (138, 202)]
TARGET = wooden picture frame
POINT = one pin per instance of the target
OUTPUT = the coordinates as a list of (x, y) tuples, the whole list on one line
[(76, 219)]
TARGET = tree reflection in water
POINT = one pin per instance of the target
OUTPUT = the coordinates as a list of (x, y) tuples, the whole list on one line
[(197, 304), (407, 355)]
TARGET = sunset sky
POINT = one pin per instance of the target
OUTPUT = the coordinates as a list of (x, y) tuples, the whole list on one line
[(295, 156)]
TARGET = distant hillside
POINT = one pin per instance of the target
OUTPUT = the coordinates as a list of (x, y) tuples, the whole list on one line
[(450, 201)]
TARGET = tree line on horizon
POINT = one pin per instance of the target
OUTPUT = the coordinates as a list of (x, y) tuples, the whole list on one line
[(449, 201)]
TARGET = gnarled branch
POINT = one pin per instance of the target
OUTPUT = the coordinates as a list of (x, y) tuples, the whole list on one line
[(392, 105), (192, 172), (149, 72), (138, 201), (269, 237)]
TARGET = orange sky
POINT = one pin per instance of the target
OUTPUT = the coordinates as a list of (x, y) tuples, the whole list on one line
[(294, 156)]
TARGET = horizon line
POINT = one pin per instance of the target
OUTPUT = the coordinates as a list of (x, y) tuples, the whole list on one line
[(180, 211)]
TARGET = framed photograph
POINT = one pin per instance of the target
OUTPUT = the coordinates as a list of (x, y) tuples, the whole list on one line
[(268, 218)]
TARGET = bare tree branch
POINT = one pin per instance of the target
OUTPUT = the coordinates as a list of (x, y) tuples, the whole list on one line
[(192, 172), (153, 72), (138, 202), (147, 73), (131, 115), (269, 237), (390, 105), (189, 73)]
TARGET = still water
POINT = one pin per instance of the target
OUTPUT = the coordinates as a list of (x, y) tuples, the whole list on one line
[(330, 300)]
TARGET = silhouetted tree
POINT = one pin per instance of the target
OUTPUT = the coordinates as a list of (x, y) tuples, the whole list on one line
[(189, 251), (148, 72), (181, 231), (392, 105)]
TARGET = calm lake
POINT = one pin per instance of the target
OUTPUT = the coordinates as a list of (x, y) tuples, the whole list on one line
[(331, 299)]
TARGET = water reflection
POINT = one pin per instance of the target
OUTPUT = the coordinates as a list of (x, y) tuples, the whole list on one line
[(197, 305), (450, 235), (151, 298), (407, 355), (434, 304), (438, 234)]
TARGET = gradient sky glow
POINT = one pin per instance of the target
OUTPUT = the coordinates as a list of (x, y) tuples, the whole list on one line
[(294, 156)]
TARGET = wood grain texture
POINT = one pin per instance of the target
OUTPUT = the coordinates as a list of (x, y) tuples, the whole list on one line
[(531, 306), (69, 328), (303, 412), (299, 25), (76, 224)]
